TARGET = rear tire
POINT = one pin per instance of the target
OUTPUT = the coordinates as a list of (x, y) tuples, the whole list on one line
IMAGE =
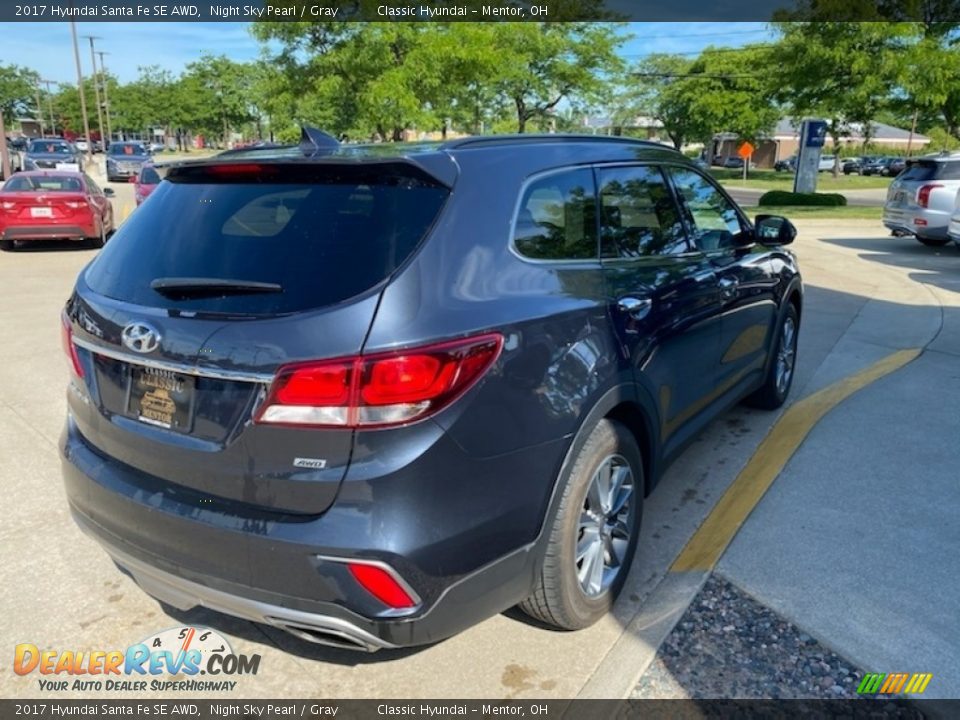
[(933, 242), (776, 386), (6, 245), (99, 242), (593, 537)]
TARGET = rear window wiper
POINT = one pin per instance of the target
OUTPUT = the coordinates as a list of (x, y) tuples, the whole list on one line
[(198, 287)]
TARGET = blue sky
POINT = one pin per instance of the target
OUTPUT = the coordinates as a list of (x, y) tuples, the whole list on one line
[(47, 48)]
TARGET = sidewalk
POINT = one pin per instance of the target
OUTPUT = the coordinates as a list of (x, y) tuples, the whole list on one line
[(848, 563)]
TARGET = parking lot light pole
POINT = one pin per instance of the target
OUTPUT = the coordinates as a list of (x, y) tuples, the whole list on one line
[(96, 88), (83, 95), (106, 98)]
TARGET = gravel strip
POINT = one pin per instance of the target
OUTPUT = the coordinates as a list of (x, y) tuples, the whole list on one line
[(727, 645)]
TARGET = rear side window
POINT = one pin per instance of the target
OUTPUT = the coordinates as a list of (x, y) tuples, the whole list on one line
[(322, 242), (922, 171), (557, 218)]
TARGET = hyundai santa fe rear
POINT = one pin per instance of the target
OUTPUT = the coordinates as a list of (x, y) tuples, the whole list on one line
[(373, 395)]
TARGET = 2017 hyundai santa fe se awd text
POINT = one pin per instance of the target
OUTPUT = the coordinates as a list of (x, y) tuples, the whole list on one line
[(375, 394)]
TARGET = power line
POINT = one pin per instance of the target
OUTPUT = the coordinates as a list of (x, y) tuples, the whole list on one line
[(709, 34), (707, 51)]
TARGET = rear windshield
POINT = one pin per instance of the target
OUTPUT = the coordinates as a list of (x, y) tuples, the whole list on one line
[(924, 170), (43, 183), (322, 242)]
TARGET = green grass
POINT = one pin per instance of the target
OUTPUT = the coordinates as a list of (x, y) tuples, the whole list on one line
[(773, 180), (797, 212)]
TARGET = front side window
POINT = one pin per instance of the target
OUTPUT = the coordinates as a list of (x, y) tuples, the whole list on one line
[(638, 215), (713, 219), (557, 218)]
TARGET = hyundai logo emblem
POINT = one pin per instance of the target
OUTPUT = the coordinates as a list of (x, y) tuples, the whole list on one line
[(140, 337)]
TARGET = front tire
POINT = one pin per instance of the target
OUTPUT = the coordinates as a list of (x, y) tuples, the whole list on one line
[(776, 386), (594, 535)]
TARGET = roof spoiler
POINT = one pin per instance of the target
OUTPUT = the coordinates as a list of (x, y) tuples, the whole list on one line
[(313, 141)]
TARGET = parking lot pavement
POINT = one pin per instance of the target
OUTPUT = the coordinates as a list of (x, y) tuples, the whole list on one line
[(67, 594)]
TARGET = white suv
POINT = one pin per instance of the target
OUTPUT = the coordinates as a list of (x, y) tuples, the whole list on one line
[(922, 198), (954, 229)]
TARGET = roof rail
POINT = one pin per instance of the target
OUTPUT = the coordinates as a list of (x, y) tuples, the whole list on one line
[(312, 141), (524, 138)]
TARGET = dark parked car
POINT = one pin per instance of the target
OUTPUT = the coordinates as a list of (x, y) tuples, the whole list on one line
[(886, 166), (374, 394), (124, 159), (733, 162), (786, 165), (52, 154), (855, 165)]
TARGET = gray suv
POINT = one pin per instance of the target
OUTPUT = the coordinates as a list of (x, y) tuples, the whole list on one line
[(374, 394), (921, 199)]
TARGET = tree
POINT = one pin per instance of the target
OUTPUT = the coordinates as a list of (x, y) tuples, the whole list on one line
[(715, 92), (842, 71), (542, 64), (366, 78), (659, 88), (18, 91), (216, 95)]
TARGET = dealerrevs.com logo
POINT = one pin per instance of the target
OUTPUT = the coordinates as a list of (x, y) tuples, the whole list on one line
[(158, 662)]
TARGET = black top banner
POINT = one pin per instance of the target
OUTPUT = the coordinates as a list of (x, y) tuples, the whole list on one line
[(482, 11), (316, 709)]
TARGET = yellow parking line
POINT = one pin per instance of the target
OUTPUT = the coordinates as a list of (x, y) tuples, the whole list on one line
[(125, 211), (709, 542)]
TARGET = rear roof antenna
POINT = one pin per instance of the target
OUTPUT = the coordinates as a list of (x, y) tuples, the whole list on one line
[(313, 141)]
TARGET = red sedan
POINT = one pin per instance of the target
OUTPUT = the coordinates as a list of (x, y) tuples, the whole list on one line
[(54, 205), (145, 182)]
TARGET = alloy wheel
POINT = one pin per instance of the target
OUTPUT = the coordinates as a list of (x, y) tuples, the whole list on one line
[(605, 526), (786, 354)]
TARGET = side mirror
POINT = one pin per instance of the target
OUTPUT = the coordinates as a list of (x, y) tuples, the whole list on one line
[(774, 230), (108, 192)]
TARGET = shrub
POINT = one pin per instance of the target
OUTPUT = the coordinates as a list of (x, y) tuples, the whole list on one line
[(778, 198)]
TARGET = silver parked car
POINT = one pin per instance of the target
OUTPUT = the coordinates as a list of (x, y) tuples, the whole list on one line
[(954, 229), (921, 199)]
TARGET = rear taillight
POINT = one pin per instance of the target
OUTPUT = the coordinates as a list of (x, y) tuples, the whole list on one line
[(76, 204), (66, 338), (382, 585), (923, 194), (378, 390), (7, 205)]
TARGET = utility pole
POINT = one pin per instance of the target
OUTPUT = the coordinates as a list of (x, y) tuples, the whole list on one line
[(96, 89), (53, 124), (4, 152), (83, 95), (36, 91), (106, 98)]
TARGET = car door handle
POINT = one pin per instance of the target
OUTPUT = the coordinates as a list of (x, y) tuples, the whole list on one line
[(728, 286), (637, 308)]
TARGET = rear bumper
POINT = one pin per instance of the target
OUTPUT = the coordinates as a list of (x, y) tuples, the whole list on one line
[(928, 223), (48, 232), (268, 567)]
